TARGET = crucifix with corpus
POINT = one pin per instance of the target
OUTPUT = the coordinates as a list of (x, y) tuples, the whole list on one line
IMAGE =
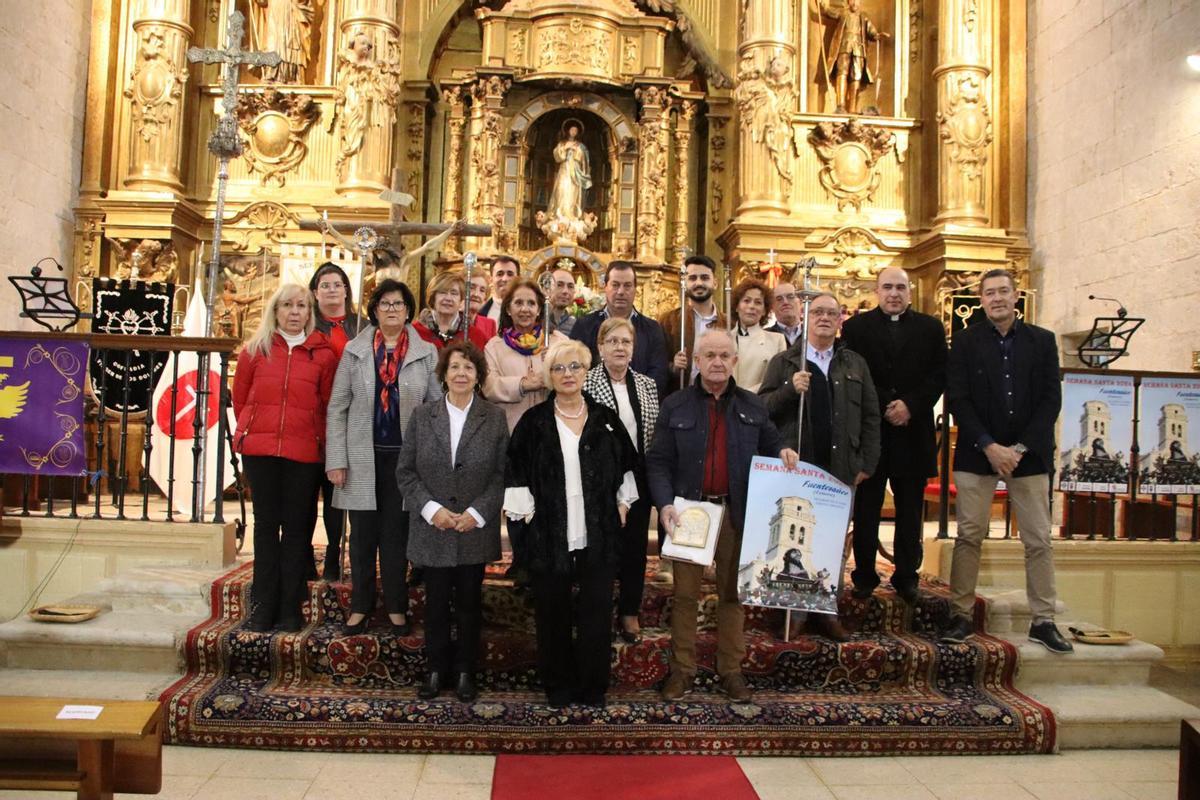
[(369, 238)]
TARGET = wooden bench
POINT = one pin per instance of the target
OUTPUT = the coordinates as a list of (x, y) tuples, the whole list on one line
[(119, 751)]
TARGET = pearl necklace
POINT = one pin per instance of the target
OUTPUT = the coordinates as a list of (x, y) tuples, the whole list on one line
[(582, 408)]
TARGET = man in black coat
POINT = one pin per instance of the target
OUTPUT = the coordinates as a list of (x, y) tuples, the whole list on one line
[(906, 351), (649, 345), (1002, 385)]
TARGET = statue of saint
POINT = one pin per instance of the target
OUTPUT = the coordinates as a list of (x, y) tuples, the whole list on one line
[(574, 175), (850, 70), (284, 26)]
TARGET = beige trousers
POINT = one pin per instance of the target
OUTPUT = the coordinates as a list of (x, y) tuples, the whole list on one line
[(1030, 497), (731, 642)]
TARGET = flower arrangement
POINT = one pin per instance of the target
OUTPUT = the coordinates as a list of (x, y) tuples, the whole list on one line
[(586, 301)]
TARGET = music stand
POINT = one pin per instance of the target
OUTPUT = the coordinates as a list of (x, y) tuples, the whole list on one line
[(1108, 340), (46, 298)]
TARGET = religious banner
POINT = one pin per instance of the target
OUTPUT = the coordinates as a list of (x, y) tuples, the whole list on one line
[(1095, 457), (1167, 408), (41, 406), (794, 536), (129, 309)]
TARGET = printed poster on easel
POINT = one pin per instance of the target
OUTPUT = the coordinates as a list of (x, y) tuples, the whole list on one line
[(794, 537), (1168, 416), (1097, 433)]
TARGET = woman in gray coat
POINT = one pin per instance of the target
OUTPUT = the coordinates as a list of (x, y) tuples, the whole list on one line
[(386, 372), (451, 474)]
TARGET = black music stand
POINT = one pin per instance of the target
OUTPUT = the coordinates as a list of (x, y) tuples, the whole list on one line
[(46, 298), (1108, 340)]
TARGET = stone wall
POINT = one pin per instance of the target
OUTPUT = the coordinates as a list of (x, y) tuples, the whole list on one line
[(1114, 169), (45, 59)]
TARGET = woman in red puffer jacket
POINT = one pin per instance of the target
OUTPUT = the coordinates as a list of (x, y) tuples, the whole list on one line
[(280, 393)]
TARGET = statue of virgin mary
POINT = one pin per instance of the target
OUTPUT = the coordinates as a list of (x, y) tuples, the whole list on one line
[(574, 175)]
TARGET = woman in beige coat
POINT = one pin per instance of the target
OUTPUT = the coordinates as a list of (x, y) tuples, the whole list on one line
[(755, 347)]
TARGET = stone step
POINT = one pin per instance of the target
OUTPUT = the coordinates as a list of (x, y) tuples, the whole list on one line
[(85, 684), (120, 641), (1008, 611), (1089, 665), (1114, 716), (160, 589)]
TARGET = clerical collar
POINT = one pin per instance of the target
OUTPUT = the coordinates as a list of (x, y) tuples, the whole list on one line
[(894, 317)]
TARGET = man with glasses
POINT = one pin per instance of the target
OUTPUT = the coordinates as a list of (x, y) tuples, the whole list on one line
[(505, 270), (650, 348), (703, 444), (785, 305), (841, 413), (562, 297)]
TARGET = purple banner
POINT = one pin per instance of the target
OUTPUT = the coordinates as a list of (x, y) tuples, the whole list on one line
[(41, 406)]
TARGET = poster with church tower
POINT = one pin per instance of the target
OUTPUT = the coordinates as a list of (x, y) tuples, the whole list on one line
[(1097, 433), (1169, 423)]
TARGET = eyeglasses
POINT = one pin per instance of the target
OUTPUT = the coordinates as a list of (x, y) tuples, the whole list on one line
[(788, 297), (824, 312), (391, 305), (612, 342), (328, 287), (560, 369)]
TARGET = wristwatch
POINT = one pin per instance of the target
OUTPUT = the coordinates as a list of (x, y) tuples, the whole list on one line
[(1020, 449)]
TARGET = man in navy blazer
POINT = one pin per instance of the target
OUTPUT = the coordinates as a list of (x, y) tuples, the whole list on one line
[(1002, 385)]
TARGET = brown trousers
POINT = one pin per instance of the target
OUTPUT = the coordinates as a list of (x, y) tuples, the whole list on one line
[(731, 644)]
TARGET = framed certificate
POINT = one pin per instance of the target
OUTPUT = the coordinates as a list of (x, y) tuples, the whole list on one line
[(695, 536)]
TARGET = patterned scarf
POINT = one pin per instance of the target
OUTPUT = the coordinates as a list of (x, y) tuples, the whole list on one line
[(429, 320), (527, 344), (388, 364)]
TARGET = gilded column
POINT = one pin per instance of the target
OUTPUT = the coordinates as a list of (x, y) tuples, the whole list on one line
[(456, 121), (964, 120), (683, 160), (483, 180), (719, 173), (366, 95), (765, 93), (653, 140), (155, 91)]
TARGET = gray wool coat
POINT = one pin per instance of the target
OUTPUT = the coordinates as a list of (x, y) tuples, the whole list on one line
[(349, 426), (425, 473)]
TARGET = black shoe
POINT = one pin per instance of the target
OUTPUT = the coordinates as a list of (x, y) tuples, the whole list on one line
[(432, 686), (416, 576), (909, 594), (593, 699), (402, 628), (862, 592), (357, 628), (290, 624), (1046, 634), (333, 571), (466, 691), (558, 698), (259, 623), (959, 630)]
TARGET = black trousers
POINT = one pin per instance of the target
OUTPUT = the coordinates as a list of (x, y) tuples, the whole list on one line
[(631, 572), (575, 662), (285, 513), (334, 519), (383, 533), (459, 588), (908, 491)]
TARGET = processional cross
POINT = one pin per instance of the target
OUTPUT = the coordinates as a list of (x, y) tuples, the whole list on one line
[(772, 269), (225, 143)]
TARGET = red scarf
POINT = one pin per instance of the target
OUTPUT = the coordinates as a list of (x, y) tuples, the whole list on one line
[(388, 364)]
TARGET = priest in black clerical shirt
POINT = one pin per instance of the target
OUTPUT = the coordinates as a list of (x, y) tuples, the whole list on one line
[(906, 351)]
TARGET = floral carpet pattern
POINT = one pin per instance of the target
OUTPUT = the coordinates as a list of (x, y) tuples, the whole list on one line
[(892, 689)]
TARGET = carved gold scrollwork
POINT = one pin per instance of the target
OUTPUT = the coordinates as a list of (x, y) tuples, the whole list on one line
[(485, 153), (965, 124), (575, 45), (849, 153), (652, 144), (765, 100), (368, 89), (274, 125), (155, 86), (261, 221), (683, 139), (453, 97), (716, 168), (150, 260)]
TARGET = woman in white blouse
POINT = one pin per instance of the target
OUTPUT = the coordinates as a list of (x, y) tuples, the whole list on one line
[(755, 346), (570, 477), (634, 397)]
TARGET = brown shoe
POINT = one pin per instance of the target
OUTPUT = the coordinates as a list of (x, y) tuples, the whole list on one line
[(676, 687), (734, 685), (828, 626)]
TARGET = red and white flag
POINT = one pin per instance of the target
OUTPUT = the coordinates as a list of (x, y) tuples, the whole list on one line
[(181, 420)]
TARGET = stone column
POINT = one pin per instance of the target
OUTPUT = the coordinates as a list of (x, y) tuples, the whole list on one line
[(964, 120), (683, 160), (456, 120), (765, 94), (155, 91), (368, 91), (653, 140)]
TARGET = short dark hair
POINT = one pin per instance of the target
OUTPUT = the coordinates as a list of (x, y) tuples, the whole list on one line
[(330, 268), (496, 259), (471, 353), (618, 264), (388, 286), (999, 272), (520, 283), (703, 261), (746, 285)]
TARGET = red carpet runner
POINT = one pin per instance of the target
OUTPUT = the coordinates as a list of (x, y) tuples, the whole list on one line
[(620, 778), (892, 689)]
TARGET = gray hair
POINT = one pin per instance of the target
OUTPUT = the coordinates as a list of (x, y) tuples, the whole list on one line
[(723, 332)]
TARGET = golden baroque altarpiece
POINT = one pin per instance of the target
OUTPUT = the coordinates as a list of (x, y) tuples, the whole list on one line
[(586, 131)]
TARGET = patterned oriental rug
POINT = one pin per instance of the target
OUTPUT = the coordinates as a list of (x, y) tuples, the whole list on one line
[(892, 689)]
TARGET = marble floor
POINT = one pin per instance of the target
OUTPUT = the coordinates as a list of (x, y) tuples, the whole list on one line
[(213, 774)]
